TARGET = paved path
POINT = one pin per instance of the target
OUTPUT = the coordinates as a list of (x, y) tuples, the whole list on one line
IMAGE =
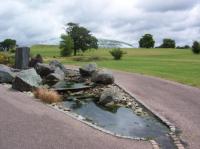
[(28, 124), (178, 103)]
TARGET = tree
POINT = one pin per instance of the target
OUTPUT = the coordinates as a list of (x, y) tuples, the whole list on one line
[(146, 41), (66, 45), (196, 47), (168, 43), (81, 36), (8, 44), (183, 47), (187, 47)]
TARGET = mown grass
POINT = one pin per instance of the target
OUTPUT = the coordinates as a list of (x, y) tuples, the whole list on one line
[(45, 50), (180, 65)]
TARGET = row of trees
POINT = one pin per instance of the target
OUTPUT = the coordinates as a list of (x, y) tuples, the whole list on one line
[(76, 38), (147, 41), (8, 45)]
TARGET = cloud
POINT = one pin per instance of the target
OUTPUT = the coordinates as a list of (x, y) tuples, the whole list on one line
[(169, 5), (39, 21)]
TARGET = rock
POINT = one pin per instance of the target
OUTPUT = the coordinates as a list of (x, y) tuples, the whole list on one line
[(71, 73), (44, 69), (110, 95), (26, 80), (139, 111), (6, 74), (58, 75), (88, 70), (103, 77), (55, 64)]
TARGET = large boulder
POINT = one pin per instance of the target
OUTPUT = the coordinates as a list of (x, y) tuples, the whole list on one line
[(54, 64), (26, 80), (88, 69), (44, 69), (103, 77), (58, 75), (7, 75), (110, 95)]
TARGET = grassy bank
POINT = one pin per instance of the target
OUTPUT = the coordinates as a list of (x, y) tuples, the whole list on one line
[(172, 64)]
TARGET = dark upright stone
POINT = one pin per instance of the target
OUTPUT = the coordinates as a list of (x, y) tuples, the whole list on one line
[(22, 57)]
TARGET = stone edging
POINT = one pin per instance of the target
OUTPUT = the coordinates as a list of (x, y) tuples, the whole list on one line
[(172, 127)]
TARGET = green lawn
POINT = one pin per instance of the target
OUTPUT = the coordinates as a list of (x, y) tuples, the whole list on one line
[(172, 64)]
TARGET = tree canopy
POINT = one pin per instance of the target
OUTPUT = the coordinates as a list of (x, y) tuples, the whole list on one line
[(8, 44), (81, 36), (168, 43), (196, 47), (66, 45), (146, 41)]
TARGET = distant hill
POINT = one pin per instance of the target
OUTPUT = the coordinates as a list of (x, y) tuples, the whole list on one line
[(105, 43)]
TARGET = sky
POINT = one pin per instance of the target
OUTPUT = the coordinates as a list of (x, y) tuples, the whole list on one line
[(42, 21)]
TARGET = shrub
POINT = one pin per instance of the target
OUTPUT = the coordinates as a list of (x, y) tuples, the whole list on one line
[(4, 58), (37, 59), (12, 50), (11, 60), (66, 45), (117, 53), (47, 96), (196, 47)]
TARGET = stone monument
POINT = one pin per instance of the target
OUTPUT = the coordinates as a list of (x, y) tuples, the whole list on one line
[(22, 57)]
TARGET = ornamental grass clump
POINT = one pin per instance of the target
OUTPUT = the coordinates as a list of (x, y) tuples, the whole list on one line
[(47, 96)]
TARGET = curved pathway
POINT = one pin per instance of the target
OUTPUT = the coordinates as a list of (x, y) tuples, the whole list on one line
[(26, 123), (178, 103)]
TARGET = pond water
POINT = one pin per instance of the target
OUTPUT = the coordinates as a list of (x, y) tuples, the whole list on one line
[(123, 121)]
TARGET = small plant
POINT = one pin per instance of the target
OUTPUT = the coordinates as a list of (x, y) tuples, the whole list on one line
[(12, 50), (117, 53), (47, 96), (4, 58), (196, 47)]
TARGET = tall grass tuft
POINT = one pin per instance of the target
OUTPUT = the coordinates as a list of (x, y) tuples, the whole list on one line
[(47, 96)]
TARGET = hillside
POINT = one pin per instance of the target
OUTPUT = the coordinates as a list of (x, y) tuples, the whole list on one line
[(173, 64)]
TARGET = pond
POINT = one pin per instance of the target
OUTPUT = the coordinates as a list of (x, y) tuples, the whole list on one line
[(123, 121)]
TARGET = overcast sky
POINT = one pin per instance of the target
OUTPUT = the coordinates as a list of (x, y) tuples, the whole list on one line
[(37, 21)]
